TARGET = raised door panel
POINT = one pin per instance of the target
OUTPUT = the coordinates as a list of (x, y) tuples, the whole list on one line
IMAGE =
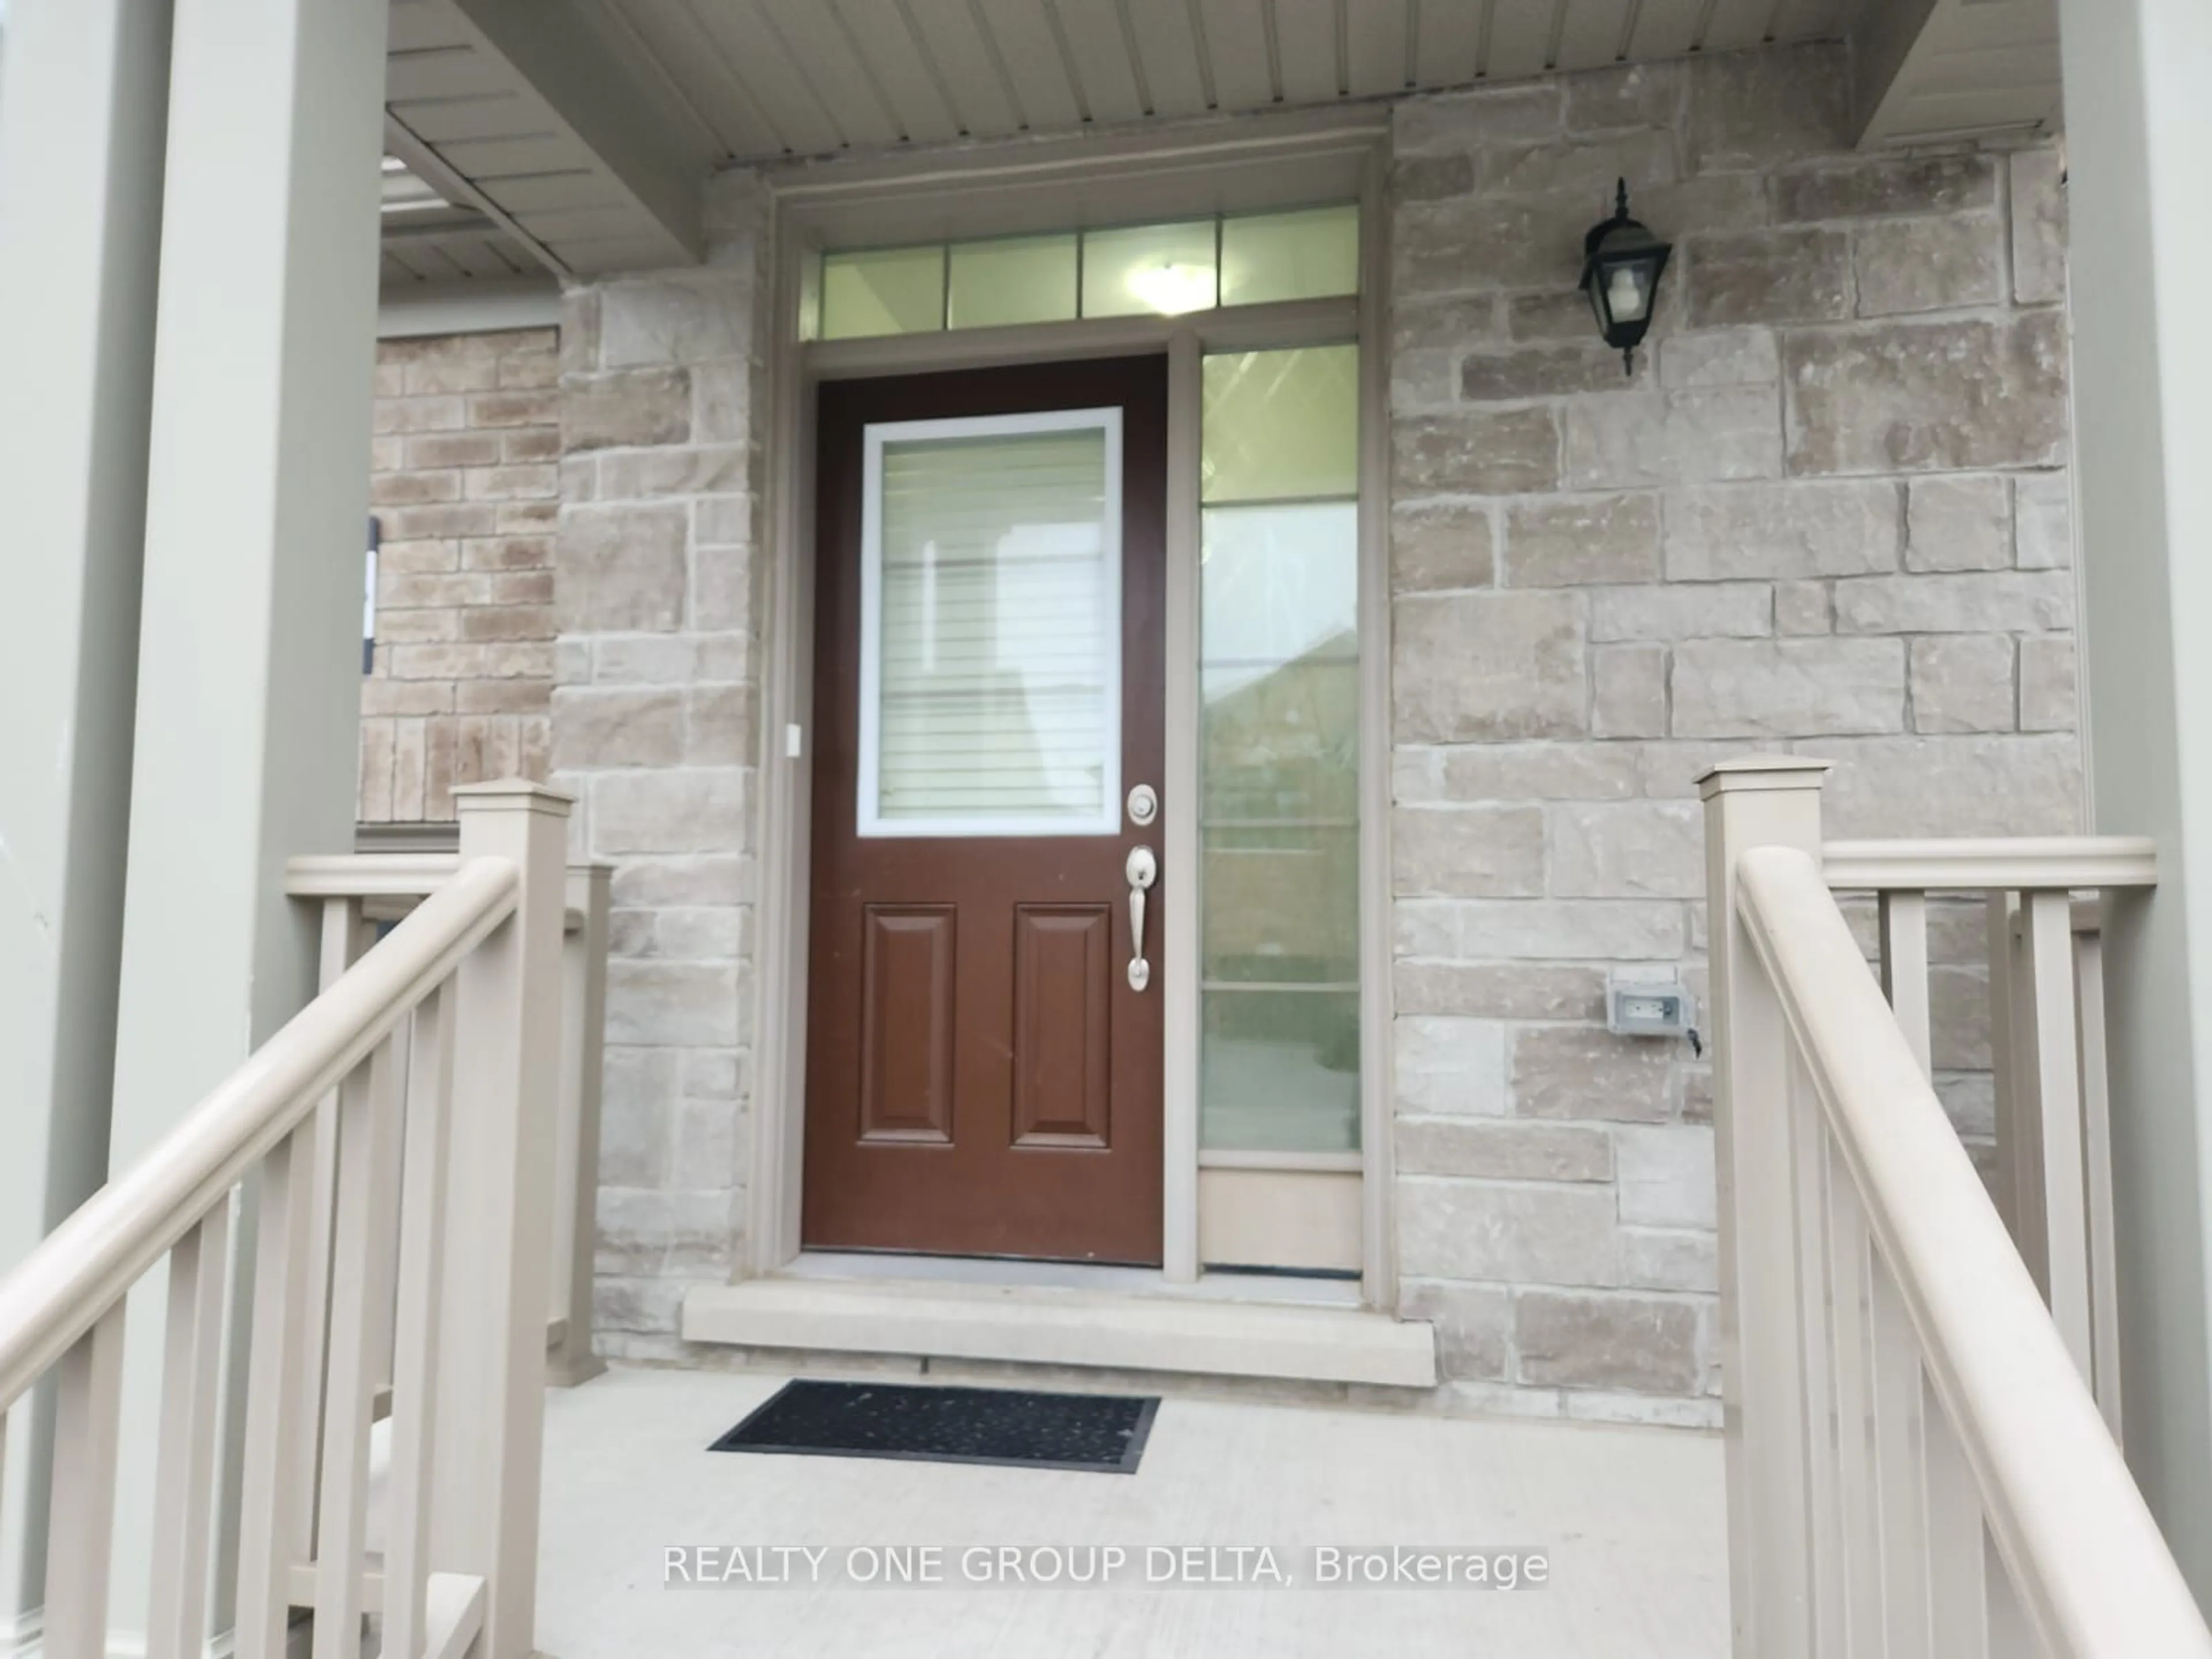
[(906, 1023), (1063, 1000)]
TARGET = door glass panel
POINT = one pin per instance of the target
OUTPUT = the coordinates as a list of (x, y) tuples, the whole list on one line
[(1023, 279), (1285, 746), (1282, 425), (1281, 583), (1280, 1071), (1282, 904), (1165, 270), (1290, 256), (1281, 679), (1278, 677), (991, 639), (893, 290)]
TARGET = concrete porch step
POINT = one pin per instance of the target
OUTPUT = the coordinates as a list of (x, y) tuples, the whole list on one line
[(1056, 1326), (1633, 1519)]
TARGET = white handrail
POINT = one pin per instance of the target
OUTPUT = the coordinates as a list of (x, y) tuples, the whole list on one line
[(382, 886), (2018, 863), (2044, 900), (2092, 1570), (89, 1263)]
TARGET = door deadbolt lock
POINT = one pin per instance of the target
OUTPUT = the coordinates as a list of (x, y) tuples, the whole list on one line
[(1144, 806)]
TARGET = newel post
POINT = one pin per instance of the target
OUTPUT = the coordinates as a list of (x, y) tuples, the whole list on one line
[(507, 1060), (576, 1153), (1757, 801)]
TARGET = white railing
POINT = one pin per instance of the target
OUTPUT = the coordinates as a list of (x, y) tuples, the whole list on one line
[(418, 1080), (357, 894), (1915, 1464), (2042, 903)]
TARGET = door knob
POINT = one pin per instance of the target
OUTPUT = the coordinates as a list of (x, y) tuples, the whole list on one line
[(1143, 870)]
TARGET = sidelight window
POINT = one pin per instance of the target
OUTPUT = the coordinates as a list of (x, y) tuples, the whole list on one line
[(1279, 633)]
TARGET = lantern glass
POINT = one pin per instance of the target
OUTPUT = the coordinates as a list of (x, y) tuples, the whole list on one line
[(1621, 291), (1628, 292)]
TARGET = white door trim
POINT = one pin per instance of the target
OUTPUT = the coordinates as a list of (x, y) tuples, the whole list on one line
[(1248, 170)]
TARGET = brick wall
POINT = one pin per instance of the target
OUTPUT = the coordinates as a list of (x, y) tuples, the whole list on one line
[(1828, 514), (654, 732), (465, 490)]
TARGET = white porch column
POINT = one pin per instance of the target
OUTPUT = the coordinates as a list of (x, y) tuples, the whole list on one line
[(2139, 129), (249, 661), (81, 114)]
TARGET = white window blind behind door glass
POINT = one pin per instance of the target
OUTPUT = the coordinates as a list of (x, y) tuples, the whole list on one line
[(991, 639)]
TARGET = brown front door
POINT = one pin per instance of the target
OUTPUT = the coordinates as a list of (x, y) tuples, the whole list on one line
[(983, 1070)]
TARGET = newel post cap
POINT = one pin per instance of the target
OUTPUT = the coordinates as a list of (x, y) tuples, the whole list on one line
[(1744, 771), (512, 795)]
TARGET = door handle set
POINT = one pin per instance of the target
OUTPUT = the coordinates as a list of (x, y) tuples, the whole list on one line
[(1143, 870)]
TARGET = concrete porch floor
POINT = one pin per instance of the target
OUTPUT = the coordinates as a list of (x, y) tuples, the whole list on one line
[(1632, 1519)]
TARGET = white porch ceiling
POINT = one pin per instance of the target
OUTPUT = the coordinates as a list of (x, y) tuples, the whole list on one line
[(573, 134), (1947, 68), (763, 78)]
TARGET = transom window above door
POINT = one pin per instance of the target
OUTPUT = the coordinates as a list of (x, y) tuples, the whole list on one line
[(1125, 270)]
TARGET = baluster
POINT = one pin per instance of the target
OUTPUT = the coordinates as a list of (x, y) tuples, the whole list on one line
[(342, 933), (1808, 1135), (2048, 999), (2097, 1158), (577, 1173), (2011, 1635), (414, 1359), (1860, 1566), (385, 1330), (1958, 1602), (1899, 1453), (1905, 968), (361, 1295), (283, 1364), (184, 1481), (2019, 1161), (81, 1518), (17, 1594)]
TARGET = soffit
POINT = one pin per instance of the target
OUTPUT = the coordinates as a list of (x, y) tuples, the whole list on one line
[(574, 134), (567, 128), (1929, 70), (764, 79)]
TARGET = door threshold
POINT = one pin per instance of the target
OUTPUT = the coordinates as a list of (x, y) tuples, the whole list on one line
[(1208, 1329), (1300, 1290)]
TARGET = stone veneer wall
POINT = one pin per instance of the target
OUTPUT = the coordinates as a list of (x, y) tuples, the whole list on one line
[(654, 732), (464, 486), (1827, 515), (1828, 512)]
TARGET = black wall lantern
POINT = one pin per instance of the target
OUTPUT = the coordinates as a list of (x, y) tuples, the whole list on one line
[(1621, 264)]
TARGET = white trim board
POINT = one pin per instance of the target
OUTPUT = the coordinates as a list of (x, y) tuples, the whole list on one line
[(1045, 1325), (473, 308)]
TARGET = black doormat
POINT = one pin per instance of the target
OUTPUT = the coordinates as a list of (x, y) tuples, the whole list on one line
[(1104, 1433)]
